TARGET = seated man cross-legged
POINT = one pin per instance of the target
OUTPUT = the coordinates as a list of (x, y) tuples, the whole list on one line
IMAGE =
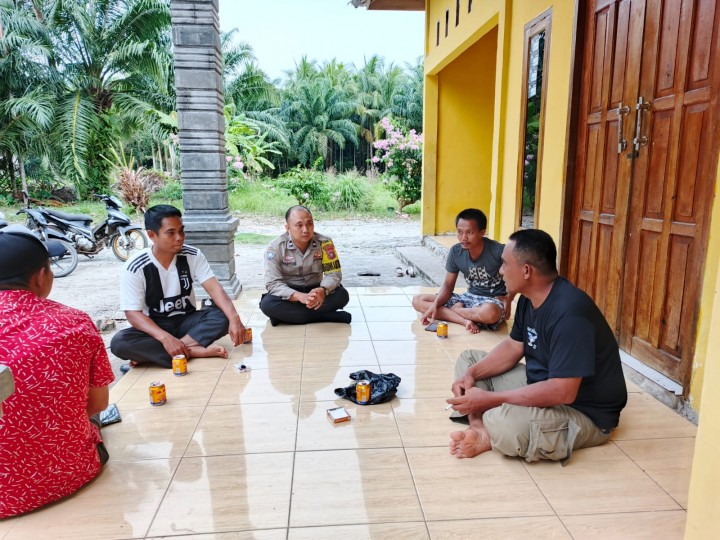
[(302, 275), (485, 304), (50, 443), (571, 389), (159, 302)]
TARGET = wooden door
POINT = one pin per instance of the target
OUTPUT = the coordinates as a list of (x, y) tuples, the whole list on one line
[(641, 212), (672, 184), (612, 54)]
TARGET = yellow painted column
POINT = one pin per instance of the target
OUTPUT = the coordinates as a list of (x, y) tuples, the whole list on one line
[(703, 519), (428, 213)]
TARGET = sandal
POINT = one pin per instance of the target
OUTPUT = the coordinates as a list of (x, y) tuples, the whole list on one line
[(411, 271), (399, 272)]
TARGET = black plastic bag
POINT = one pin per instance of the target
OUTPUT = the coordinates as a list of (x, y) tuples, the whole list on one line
[(383, 387)]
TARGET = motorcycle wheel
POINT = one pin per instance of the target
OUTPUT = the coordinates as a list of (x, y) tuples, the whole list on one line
[(65, 264), (135, 240)]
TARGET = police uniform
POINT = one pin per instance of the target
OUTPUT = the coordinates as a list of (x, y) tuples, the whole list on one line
[(288, 270)]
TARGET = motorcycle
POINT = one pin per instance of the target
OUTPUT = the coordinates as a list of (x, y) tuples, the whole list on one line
[(116, 230), (63, 257)]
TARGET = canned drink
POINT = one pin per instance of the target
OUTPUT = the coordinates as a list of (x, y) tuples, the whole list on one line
[(157, 393), (248, 335), (179, 365), (442, 330), (362, 391)]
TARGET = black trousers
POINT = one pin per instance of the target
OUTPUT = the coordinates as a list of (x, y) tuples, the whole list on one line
[(297, 312), (205, 326)]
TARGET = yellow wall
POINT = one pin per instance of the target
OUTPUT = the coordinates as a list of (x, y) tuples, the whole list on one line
[(558, 76), (466, 100), (492, 94), (465, 44), (703, 520)]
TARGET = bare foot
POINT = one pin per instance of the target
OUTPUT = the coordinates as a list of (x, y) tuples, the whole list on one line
[(469, 443), (471, 327), (217, 351)]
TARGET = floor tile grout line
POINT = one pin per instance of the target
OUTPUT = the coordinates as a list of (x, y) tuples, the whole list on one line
[(407, 459), (297, 430), (552, 507), (180, 459), (648, 475)]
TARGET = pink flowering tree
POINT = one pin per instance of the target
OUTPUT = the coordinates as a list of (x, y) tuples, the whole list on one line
[(401, 154)]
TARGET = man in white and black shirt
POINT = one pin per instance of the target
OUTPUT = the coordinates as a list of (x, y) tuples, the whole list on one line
[(159, 302)]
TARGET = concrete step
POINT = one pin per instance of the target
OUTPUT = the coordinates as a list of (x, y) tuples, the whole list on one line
[(429, 265)]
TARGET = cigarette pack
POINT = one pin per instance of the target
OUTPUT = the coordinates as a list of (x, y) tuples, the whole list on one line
[(338, 414)]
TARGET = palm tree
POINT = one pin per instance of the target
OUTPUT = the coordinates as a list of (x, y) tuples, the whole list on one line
[(246, 85), (103, 51), (407, 103), (318, 115), (26, 102)]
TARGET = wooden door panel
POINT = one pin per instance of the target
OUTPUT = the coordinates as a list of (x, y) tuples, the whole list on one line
[(599, 54), (657, 164), (702, 50), (695, 124), (622, 29), (667, 57), (646, 282), (611, 64), (584, 278), (593, 145), (673, 322), (672, 184), (608, 182)]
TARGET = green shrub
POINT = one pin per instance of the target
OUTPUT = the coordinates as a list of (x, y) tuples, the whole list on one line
[(171, 191), (260, 198), (307, 187), (350, 192)]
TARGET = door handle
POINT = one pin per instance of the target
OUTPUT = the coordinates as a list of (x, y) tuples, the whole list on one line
[(622, 143), (640, 140)]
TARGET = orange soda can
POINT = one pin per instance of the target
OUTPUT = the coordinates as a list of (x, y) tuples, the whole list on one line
[(442, 330), (179, 365), (248, 335), (362, 391), (157, 393)]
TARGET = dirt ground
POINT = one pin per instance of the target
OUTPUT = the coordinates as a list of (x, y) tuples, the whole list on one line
[(94, 286)]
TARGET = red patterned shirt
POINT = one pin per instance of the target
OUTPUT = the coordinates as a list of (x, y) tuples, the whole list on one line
[(47, 443)]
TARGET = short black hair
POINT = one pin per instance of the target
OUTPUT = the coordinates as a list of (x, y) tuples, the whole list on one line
[(473, 214), (155, 215), (536, 248), (296, 207)]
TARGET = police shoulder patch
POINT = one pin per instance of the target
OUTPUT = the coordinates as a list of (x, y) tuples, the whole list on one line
[(269, 255)]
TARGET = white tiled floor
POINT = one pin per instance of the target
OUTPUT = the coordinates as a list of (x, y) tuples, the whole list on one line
[(252, 455)]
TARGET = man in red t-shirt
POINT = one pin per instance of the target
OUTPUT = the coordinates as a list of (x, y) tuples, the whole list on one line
[(49, 448)]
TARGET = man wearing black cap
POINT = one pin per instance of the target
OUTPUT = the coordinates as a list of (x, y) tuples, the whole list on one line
[(49, 447)]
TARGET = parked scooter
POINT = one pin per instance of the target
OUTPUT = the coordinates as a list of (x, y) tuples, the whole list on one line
[(63, 257), (116, 230)]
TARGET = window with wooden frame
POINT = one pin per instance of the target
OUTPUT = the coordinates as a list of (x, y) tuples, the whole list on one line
[(532, 116)]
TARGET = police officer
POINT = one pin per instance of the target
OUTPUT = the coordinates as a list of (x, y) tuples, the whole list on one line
[(303, 274)]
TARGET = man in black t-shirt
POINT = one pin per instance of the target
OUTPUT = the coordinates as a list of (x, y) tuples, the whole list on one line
[(571, 389)]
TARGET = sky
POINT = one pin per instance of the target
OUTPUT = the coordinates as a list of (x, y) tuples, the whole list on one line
[(282, 31)]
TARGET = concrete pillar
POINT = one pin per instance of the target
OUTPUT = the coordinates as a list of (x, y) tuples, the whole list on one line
[(201, 123)]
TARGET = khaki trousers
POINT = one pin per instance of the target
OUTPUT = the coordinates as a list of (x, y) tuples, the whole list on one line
[(532, 433)]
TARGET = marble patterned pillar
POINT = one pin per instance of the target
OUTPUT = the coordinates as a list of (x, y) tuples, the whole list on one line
[(201, 123)]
